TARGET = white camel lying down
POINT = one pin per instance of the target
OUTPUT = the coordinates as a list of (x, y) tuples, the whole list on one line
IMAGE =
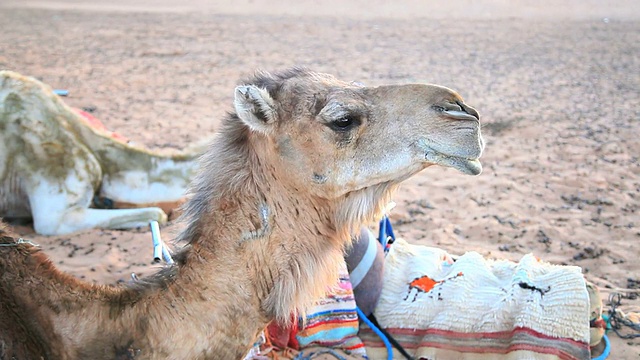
[(52, 163)]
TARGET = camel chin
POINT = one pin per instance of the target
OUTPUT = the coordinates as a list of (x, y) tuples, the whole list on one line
[(465, 166)]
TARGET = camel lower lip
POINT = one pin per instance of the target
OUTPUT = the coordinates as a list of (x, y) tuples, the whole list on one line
[(464, 165)]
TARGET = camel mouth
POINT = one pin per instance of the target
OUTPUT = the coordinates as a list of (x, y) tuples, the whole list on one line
[(469, 166)]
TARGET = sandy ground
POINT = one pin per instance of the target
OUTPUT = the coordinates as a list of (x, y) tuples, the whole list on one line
[(558, 87)]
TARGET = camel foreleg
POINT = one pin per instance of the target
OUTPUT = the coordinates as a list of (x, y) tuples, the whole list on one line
[(65, 209)]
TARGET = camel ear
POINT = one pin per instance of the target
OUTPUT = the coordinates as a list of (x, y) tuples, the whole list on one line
[(255, 107)]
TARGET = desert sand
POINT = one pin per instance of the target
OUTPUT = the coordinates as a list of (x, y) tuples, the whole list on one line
[(558, 87)]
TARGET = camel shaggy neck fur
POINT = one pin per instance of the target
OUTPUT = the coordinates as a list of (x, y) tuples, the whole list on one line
[(293, 171)]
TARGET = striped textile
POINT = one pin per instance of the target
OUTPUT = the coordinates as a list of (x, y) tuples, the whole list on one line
[(519, 343), (474, 308), (333, 321)]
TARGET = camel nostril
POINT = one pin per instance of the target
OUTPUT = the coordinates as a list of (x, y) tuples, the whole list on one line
[(457, 110), (469, 110)]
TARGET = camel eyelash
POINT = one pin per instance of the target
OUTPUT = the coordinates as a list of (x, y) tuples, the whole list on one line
[(345, 123)]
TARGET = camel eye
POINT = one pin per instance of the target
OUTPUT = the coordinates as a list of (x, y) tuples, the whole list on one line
[(345, 123)]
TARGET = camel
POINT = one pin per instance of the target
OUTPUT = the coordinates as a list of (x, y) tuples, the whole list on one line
[(53, 163), (300, 164)]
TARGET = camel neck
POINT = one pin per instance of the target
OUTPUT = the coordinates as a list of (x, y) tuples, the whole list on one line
[(273, 239), (256, 250)]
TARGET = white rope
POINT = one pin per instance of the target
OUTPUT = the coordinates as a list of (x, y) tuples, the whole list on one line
[(160, 250), (21, 241)]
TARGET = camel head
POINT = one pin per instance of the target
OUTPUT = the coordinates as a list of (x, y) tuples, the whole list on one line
[(342, 138)]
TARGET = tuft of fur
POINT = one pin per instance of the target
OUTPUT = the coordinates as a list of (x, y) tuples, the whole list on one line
[(6, 235)]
